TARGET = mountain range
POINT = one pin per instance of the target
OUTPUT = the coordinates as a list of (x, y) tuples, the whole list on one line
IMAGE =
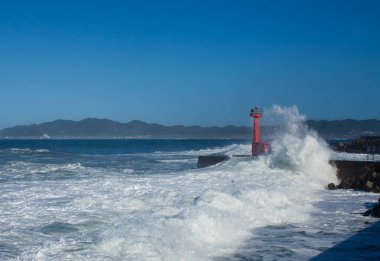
[(105, 128)]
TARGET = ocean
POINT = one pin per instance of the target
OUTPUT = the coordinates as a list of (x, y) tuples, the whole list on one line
[(146, 200)]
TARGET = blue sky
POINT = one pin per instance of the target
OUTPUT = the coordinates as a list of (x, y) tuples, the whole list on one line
[(187, 62)]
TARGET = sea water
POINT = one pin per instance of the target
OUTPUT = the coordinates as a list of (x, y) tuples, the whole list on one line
[(146, 200)]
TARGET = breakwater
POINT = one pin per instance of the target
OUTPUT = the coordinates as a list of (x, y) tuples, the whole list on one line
[(363, 144), (359, 175), (352, 174)]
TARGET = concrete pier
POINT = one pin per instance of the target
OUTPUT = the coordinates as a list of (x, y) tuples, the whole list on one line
[(209, 160)]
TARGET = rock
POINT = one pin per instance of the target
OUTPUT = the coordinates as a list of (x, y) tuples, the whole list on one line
[(367, 213), (364, 180), (369, 184), (357, 175), (346, 183), (376, 176), (331, 186), (376, 210)]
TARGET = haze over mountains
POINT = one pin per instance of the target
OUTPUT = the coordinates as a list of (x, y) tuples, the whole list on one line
[(104, 128)]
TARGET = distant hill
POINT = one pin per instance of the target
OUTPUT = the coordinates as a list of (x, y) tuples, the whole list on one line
[(345, 128), (104, 128)]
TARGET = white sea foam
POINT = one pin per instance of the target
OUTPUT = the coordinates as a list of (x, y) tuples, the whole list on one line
[(42, 150), (26, 150), (129, 171), (218, 208), (192, 215), (177, 160), (234, 149), (32, 168)]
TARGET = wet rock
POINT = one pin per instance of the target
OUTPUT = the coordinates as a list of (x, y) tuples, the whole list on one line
[(359, 176), (376, 210), (369, 184), (367, 213), (331, 186)]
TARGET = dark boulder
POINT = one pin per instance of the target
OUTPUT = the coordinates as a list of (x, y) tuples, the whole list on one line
[(331, 186), (376, 210), (364, 177)]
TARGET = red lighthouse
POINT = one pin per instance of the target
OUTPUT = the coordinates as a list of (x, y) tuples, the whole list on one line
[(258, 147)]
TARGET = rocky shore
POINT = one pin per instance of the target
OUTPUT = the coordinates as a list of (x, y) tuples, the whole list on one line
[(358, 175), (374, 211)]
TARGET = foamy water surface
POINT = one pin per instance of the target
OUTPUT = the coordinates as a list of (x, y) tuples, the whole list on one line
[(70, 203)]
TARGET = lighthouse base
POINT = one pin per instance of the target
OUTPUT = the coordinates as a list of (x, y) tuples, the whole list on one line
[(260, 148)]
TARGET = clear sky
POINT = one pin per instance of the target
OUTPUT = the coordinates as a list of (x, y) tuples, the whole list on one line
[(187, 62)]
